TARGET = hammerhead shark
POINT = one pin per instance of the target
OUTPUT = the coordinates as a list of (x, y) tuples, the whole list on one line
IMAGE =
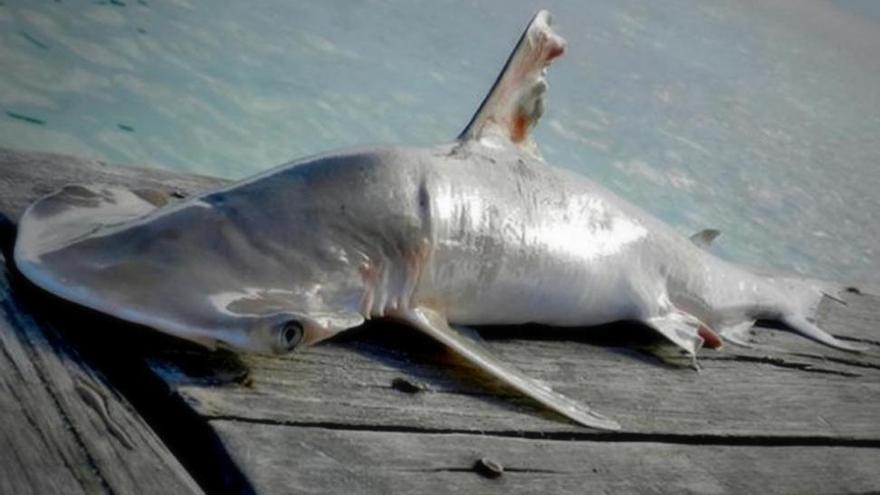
[(479, 231)]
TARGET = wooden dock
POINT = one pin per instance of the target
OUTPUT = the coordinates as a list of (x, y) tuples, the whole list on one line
[(90, 404)]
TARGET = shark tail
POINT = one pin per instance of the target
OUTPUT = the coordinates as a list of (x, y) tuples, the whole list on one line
[(804, 296)]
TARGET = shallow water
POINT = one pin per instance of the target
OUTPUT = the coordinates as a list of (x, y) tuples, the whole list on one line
[(759, 118)]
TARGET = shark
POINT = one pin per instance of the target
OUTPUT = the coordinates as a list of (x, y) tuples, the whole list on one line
[(477, 231)]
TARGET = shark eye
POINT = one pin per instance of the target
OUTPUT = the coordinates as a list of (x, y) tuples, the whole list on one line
[(290, 335)]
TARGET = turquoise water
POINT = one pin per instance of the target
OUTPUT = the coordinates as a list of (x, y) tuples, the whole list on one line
[(760, 118)]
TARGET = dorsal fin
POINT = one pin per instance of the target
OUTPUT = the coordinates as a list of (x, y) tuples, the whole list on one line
[(516, 101), (704, 238)]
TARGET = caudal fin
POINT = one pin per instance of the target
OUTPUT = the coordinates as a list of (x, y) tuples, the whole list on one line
[(805, 327), (805, 295)]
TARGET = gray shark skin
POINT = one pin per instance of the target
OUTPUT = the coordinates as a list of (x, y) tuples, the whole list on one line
[(480, 231)]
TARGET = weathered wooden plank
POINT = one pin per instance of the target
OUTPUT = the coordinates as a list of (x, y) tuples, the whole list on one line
[(64, 429), (284, 459), (768, 409)]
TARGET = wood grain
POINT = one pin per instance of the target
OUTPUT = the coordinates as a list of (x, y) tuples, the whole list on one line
[(284, 459), (63, 428)]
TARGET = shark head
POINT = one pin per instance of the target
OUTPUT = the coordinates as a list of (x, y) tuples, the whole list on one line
[(189, 272)]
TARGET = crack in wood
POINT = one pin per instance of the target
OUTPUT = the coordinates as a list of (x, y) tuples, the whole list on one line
[(782, 363), (860, 340), (96, 401), (464, 393), (839, 360), (471, 470), (578, 436)]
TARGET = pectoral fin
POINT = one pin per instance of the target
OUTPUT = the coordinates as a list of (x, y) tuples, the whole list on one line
[(471, 349)]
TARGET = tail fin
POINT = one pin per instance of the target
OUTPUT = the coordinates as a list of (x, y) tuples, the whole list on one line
[(804, 296), (805, 327)]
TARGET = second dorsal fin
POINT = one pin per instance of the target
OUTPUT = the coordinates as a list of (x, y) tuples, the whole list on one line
[(516, 101), (704, 238)]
